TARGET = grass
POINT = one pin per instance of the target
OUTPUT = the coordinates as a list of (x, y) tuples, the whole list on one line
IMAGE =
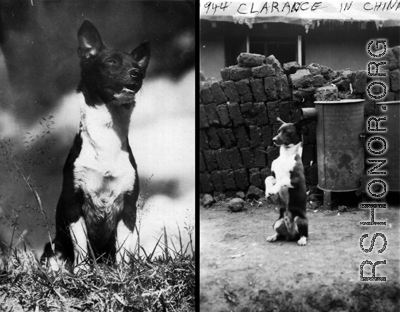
[(165, 282), (146, 283)]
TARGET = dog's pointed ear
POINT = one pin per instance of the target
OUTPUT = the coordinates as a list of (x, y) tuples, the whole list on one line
[(280, 120), (300, 124), (141, 54), (89, 39)]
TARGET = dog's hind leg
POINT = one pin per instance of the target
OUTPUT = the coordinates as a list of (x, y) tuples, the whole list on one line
[(280, 231), (272, 238), (291, 225), (302, 226), (58, 252), (52, 256)]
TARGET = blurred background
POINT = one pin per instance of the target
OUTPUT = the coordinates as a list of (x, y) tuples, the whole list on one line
[(39, 110)]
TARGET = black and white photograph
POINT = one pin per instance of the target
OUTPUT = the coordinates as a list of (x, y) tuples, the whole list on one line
[(97, 155), (299, 155)]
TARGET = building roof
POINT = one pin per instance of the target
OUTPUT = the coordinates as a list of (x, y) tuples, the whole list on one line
[(306, 13)]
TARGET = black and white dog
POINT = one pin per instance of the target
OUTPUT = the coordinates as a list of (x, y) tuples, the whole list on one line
[(96, 211), (288, 182)]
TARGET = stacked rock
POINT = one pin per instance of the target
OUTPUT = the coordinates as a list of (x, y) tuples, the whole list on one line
[(238, 115)]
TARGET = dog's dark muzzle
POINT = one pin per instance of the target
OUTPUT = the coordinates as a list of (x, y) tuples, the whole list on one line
[(136, 76), (135, 87)]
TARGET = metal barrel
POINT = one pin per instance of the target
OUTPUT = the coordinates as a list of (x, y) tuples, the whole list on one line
[(391, 110), (340, 151)]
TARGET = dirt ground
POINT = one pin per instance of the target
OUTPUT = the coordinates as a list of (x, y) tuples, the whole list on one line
[(240, 271)]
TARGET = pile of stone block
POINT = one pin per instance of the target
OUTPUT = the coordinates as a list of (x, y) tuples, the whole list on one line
[(238, 120), (238, 116)]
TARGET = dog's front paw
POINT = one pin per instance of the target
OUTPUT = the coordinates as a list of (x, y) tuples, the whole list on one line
[(271, 191), (272, 195), (81, 268), (272, 238), (302, 241), (269, 182)]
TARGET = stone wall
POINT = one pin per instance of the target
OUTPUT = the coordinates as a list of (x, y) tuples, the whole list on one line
[(238, 115)]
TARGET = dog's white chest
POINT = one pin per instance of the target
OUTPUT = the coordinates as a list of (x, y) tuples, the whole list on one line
[(286, 162), (283, 165), (103, 170), (104, 182)]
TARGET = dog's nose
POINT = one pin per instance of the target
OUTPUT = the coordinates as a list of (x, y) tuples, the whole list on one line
[(134, 73)]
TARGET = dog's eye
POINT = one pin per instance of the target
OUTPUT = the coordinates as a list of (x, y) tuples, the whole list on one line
[(111, 62)]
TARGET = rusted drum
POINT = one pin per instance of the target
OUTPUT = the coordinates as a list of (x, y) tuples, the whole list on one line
[(340, 152), (391, 110)]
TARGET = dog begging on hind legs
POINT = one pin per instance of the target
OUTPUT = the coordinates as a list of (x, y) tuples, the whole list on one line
[(287, 182), (96, 212)]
